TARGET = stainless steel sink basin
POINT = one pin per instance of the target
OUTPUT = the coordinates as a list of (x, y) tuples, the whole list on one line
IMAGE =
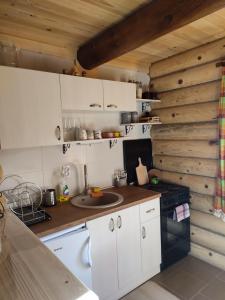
[(109, 199)]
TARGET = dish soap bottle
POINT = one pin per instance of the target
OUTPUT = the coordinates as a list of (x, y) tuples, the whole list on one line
[(64, 193)]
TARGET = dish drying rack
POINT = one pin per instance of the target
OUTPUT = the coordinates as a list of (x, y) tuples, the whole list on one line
[(25, 200)]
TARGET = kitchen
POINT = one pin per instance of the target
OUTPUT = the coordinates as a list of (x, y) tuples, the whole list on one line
[(83, 133)]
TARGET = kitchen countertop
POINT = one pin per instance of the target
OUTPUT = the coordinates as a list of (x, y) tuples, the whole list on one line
[(67, 215), (28, 270)]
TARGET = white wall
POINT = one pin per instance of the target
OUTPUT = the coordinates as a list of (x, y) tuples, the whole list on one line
[(42, 165)]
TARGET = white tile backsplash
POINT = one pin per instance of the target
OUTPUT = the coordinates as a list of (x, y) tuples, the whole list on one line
[(43, 165)]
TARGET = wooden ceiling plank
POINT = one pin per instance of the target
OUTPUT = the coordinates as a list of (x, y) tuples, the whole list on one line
[(26, 16), (31, 33), (38, 46), (146, 23)]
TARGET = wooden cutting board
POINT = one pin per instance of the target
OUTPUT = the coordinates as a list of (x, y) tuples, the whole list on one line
[(1, 173), (1, 177), (142, 173)]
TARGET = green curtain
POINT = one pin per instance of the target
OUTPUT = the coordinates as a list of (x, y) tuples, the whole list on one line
[(219, 202)]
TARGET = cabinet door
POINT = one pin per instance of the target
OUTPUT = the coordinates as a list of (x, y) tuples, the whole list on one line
[(80, 93), (151, 246), (128, 246), (73, 250), (104, 257), (119, 96), (30, 108)]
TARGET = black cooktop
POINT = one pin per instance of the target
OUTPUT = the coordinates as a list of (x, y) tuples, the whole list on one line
[(171, 194), (164, 187)]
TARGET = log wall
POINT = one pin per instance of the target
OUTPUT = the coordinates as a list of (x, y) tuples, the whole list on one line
[(185, 146)]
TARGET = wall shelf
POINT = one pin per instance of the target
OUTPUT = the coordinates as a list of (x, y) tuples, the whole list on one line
[(145, 126), (148, 100), (112, 142), (142, 123)]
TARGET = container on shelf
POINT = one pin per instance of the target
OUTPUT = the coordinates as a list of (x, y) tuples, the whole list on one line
[(125, 117), (97, 134), (134, 117), (139, 90)]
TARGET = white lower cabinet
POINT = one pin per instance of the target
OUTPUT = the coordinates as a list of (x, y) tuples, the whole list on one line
[(128, 246), (124, 255), (104, 256), (151, 247)]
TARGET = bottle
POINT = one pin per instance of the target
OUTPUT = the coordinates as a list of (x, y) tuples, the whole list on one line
[(64, 193), (139, 90)]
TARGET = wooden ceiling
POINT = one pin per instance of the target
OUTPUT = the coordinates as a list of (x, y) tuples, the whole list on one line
[(59, 27)]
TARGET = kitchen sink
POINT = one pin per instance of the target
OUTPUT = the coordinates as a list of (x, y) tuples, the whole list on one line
[(108, 199)]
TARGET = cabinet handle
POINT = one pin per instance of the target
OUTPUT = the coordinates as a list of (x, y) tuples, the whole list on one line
[(59, 133), (143, 232), (89, 252), (112, 106), (150, 210), (119, 222), (95, 105), (111, 225)]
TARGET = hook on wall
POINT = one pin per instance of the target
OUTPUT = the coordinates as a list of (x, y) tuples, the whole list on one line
[(65, 148), (128, 128), (145, 127), (112, 143)]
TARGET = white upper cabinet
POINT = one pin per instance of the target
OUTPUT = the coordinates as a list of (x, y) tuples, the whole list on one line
[(81, 93), (119, 96), (30, 108)]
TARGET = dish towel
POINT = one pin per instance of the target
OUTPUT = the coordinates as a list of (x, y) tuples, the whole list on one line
[(181, 212)]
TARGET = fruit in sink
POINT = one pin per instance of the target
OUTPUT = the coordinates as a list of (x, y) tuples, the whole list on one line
[(96, 192)]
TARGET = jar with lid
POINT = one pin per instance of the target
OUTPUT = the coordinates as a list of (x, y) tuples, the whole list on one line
[(139, 90)]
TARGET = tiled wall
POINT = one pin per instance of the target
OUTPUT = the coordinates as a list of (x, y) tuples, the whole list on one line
[(43, 165)]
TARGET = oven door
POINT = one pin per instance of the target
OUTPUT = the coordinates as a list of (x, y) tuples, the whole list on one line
[(175, 237)]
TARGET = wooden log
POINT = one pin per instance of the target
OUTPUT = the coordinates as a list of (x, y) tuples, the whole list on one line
[(203, 203), (197, 56), (207, 255), (186, 165), (202, 112), (208, 239), (198, 184), (201, 149), (147, 23), (189, 77), (208, 222), (205, 92), (195, 131)]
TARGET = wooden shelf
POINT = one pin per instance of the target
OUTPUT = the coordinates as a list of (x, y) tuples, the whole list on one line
[(97, 141), (143, 123), (148, 100)]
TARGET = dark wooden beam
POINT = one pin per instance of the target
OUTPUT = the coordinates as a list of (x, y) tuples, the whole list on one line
[(147, 23)]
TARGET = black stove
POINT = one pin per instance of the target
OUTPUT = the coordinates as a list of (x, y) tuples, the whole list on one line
[(175, 236)]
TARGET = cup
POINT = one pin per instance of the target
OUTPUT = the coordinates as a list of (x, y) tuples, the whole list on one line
[(97, 134), (126, 118), (82, 134), (134, 117), (49, 197), (90, 134)]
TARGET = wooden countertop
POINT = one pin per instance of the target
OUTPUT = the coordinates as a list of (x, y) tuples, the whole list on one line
[(28, 270), (67, 215)]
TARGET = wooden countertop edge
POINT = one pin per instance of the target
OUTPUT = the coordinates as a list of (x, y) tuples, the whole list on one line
[(97, 214)]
